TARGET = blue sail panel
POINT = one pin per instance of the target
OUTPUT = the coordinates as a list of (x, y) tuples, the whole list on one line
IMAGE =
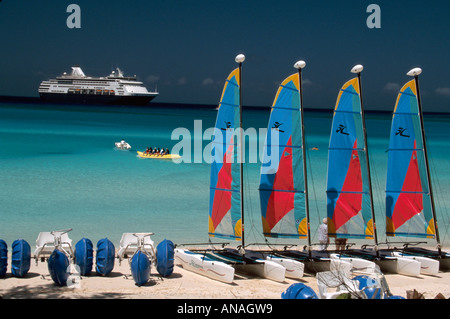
[(348, 195), (408, 202), (282, 189), (225, 203)]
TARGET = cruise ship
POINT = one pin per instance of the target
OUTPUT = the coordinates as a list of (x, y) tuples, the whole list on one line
[(79, 88)]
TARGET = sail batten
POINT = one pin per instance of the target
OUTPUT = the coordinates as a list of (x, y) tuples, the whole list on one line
[(285, 108), (224, 189), (284, 146), (408, 201), (349, 92), (228, 104), (282, 190), (348, 112), (346, 192), (282, 187)]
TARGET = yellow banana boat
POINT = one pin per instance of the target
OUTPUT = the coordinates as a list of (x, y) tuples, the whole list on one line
[(157, 156)]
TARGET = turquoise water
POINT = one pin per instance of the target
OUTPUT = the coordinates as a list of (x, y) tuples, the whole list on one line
[(59, 169)]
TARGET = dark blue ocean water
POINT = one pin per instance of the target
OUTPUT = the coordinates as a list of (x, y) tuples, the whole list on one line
[(59, 169)]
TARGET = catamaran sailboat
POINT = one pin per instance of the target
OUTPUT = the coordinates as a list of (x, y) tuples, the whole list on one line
[(410, 209), (283, 186), (226, 212)]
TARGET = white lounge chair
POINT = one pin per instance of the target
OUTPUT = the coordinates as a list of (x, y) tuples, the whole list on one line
[(47, 241), (129, 244)]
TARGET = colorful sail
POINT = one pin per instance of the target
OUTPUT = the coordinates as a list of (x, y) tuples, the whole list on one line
[(282, 188), (348, 199), (408, 203), (225, 201)]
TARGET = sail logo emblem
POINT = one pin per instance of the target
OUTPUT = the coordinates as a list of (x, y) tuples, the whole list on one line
[(228, 126), (341, 129), (276, 126), (400, 132)]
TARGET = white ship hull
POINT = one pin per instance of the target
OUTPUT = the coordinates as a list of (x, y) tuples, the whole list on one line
[(95, 99)]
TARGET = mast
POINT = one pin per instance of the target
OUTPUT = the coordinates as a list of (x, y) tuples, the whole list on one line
[(415, 72), (299, 66), (358, 69), (239, 59)]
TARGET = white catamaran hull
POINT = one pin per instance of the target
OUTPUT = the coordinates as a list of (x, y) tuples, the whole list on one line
[(357, 263), (428, 266), (443, 258), (399, 265), (294, 269), (263, 268), (204, 266)]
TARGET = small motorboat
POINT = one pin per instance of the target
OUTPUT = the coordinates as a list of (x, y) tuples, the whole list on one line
[(122, 145)]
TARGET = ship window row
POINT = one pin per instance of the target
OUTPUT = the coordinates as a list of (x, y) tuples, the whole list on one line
[(91, 91), (71, 86), (91, 82), (85, 82)]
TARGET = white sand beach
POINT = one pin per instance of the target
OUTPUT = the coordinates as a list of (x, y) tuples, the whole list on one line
[(183, 284)]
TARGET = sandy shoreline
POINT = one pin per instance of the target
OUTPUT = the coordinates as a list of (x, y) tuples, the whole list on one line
[(183, 284)]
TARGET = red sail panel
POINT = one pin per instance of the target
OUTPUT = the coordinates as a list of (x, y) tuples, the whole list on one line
[(349, 203), (410, 201), (280, 203), (222, 197)]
